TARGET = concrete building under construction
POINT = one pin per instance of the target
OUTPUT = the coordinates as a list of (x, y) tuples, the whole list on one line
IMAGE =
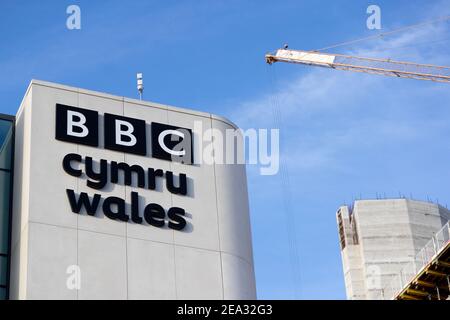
[(395, 249)]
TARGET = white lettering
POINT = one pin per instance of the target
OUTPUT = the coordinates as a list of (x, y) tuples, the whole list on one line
[(127, 133), (161, 137), (71, 123)]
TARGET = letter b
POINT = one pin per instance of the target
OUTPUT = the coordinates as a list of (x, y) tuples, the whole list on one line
[(125, 134), (130, 140), (76, 125), (76, 120)]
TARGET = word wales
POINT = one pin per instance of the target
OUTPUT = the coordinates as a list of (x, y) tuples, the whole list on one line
[(72, 125)]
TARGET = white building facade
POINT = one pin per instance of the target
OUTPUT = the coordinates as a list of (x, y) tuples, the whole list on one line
[(99, 210)]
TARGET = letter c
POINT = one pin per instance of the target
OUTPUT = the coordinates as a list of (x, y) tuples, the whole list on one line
[(67, 164), (161, 137)]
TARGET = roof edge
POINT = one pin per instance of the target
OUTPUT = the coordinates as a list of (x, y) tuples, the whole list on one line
[(128, 100)]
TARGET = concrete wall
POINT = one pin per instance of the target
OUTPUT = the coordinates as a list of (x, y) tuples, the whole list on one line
[(351, 256), (210, 259), (389, 234)]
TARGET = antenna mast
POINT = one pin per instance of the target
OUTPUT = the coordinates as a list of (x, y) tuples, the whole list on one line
[(140, 85)]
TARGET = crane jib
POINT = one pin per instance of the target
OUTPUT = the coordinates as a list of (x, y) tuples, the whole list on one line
[(385, 67), (306, 57)]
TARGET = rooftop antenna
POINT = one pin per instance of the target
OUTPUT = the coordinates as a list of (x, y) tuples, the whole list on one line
[(140, 85)]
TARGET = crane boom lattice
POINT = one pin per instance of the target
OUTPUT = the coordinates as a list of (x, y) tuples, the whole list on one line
[(385, 67)]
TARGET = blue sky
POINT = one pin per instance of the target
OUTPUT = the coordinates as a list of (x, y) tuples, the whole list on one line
[(344, 135)]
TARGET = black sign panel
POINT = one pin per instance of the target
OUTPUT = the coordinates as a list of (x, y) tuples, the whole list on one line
[(125, 134), (172, 143), (76, 125)]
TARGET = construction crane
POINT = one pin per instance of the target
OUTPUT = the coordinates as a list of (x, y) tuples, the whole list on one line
[(422, 286), (431, 280), (385, 67)]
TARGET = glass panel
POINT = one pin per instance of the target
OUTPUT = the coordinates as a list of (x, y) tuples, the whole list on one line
[(3, 269), (5, 144), (6, 132), (4, 210)]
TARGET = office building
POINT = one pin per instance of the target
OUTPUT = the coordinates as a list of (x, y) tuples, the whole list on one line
[(111, 200)]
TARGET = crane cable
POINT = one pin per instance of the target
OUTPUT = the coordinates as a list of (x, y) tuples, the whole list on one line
[(294, 256), (380, 35)]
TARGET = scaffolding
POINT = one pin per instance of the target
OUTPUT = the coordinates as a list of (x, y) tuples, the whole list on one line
[(427, 277)]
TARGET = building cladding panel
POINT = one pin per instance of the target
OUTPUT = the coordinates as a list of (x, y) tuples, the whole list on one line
[(378, 237), (211, 258)]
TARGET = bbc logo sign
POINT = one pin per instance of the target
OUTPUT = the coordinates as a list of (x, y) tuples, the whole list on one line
[(124, 134)]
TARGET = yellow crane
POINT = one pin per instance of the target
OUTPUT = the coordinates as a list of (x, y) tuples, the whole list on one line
[(385, 67)]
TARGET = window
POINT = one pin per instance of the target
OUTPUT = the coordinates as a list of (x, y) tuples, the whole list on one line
[(6, 167), (4, 211), (3, 269)]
